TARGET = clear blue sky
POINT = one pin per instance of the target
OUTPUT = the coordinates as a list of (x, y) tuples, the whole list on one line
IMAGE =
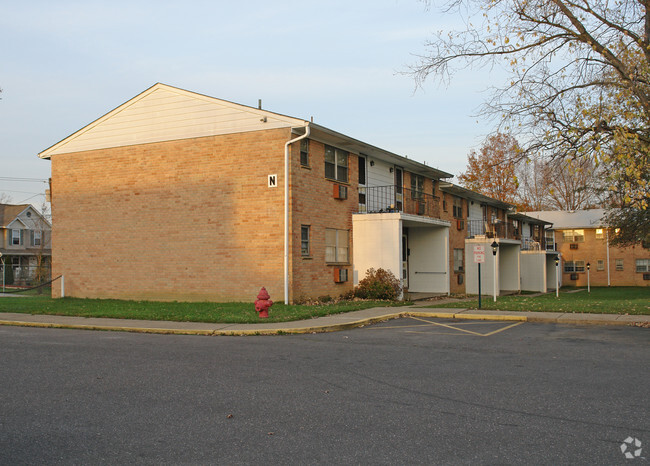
[(66, 63)]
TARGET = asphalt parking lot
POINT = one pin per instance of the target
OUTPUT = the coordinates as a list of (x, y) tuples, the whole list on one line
[(405, 391), (431, 326)]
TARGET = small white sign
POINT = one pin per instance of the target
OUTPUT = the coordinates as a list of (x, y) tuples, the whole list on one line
[(479, 254), (273, 181)]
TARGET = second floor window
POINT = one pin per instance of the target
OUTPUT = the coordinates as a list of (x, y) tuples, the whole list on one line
[(336, 164), (37, 238), (573, 236), (15, 237), (417, 186), (458, 207), (304, 152)]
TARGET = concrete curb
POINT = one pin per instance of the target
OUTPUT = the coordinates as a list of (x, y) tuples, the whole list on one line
[(260, 329)]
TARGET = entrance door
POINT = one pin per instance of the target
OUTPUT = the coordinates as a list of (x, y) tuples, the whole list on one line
[(405, 261), (399, 188)]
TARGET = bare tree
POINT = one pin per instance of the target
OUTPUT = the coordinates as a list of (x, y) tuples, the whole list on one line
[(579, 79)]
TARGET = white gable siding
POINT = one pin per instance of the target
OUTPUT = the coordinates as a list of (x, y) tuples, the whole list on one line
[(475, 211), (379, 174), (166, 114)]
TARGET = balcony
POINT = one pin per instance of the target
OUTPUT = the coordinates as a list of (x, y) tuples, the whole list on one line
[(382, 199), (498, 229)]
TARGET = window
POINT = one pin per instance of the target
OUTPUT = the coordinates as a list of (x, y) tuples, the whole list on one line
[(336, 245), (304, 240), (417, 186), (458, 207), (336, 164), (573, 236), (574, 266), (36, 238), (304, 152), (362, 170), (600, 264), (458, 260), (599, 233), (15, 237), (643, 265), (619, 264)]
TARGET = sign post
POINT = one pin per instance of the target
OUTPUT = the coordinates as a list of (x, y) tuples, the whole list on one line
[(479, 258)]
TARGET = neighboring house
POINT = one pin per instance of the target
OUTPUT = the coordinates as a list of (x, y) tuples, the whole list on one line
[(176, 195), (583, 240), (24, 244)]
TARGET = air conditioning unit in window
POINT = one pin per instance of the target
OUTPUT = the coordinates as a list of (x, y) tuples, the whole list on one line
[(574, 276), (573, 246), (340, 275), (646, 276), (340, 191), (460, 224)]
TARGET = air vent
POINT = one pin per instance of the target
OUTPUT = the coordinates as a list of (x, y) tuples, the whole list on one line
[(574, 276), (460, 278), (573, 246), (646, 276)]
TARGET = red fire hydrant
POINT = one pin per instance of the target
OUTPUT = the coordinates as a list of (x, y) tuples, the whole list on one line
[(263, 303)]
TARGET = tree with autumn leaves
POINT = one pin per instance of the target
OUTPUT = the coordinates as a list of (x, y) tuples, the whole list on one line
[(578, 87), (498, 171)]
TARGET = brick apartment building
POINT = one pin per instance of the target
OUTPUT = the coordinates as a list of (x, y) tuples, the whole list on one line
[(583, 239), (179, 196)]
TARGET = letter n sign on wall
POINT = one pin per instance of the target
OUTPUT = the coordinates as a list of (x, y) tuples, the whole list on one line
[(273, 181)]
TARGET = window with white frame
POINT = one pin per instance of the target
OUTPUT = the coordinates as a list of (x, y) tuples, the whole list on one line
[(573, 236), (304, 240), (36, 241), (619, 264), (336, 245), (417, 186), (600, 264), (336, 164), (599, 233), (643, 265), (15, 237), (458, 260), (574, 266), (549, 237)]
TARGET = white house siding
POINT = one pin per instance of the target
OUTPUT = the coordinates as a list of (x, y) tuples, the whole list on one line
[(429, 260), (533, 271), (377, 240), (164, 113), (475, 212)]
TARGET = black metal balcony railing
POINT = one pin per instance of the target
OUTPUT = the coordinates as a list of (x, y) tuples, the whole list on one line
[(380, 199), (498, 229)]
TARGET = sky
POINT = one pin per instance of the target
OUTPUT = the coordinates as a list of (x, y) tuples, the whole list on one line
[(344, 63)]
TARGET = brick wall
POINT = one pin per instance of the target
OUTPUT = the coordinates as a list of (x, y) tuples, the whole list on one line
[(194, 220), (313, 204), (591, 251), (185, 220), (456, 238)]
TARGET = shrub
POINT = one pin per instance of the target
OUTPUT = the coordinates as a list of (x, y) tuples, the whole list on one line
[(379, 284)]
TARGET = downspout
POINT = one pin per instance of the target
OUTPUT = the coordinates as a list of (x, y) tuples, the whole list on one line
[(286, 211), (607, 236)]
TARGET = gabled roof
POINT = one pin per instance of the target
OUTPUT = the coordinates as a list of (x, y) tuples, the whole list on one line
[(12, 212), (474, 196), (562, 220), (165, 113), (524, 217), (9, 213)]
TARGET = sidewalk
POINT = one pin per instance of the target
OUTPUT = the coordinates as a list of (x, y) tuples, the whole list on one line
[(331, 323)]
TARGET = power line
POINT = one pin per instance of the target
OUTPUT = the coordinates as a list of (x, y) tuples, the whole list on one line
[(28, 180)]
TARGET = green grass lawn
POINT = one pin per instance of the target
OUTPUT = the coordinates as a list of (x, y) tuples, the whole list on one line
[(622, 300), (177, 311)]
